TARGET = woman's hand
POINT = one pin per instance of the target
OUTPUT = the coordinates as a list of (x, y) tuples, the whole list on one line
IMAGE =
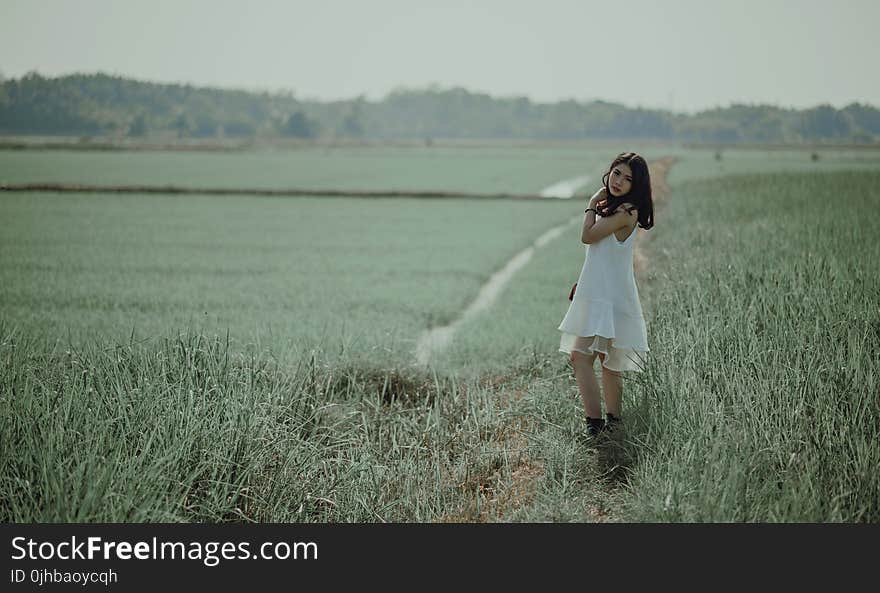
[(597, 197)]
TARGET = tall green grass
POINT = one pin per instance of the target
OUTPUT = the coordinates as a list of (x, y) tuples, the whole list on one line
[(762, 400), (183, 429)]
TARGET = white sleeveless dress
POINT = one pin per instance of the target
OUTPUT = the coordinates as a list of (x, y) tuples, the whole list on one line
[(605, 314)]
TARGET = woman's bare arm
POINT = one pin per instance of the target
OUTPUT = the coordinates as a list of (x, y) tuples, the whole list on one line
[(596, 231)]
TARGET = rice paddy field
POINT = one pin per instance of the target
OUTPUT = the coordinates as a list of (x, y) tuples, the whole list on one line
[(242, 358)]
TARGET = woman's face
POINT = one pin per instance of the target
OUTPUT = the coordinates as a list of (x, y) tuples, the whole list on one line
[(620, 180)]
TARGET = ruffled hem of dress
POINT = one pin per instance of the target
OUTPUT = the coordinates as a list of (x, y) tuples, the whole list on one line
[(591, 317), (617, 358)]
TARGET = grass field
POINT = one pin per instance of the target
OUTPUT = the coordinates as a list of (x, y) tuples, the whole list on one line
[(364, 275), (763, 401), (485, 170), (760, 401)]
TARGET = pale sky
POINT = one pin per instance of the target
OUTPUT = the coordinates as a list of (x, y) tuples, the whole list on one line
[(684, 55)]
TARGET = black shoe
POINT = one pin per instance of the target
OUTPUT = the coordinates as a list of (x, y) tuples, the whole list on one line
[(594, 427), (612, 423)]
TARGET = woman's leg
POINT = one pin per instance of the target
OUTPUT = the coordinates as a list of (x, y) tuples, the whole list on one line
[(612, 389), (586, 382)]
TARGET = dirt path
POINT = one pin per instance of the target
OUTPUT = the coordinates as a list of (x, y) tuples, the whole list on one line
[(660, 193)]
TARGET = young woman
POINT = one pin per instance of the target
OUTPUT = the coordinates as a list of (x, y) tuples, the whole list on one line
[(605, 316)]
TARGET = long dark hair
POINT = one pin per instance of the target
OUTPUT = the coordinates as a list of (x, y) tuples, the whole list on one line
[(639, 195)]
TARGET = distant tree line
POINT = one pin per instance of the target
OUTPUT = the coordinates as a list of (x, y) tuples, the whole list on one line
[(103, 105)]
